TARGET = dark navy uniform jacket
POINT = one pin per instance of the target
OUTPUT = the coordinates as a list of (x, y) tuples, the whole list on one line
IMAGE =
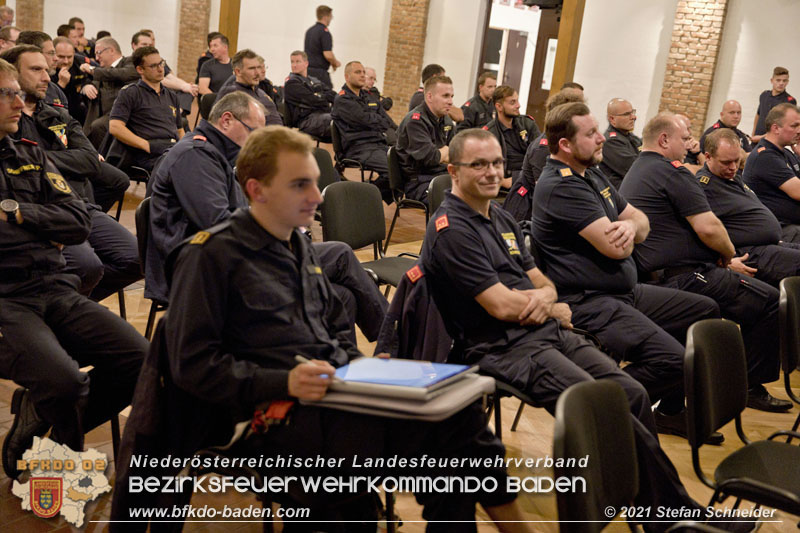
[(193, 188), (273, 117), (667, 193), (55, 95), (765, 103), (307, 94), (514, 140), (419, 137), (477, 113), (318, 40), (564, 204), (77, 79), (767, 168), (743, 138), (359, 119), (748, 221), (417, 98), (465, 253), (619, 152), (374, 95), (50, 212)]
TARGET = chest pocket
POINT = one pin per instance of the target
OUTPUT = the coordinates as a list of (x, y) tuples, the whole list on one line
[(26, 187)]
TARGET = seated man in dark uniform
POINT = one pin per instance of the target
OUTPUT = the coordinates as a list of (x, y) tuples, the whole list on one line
[(146, 117), (362, 127), (48, 330), (418, 97), (729, 117), (513, 131), (769, 169), (694, 158), (622, 147), (246, 75), (55, 93), (109, 260), (769, 99), (375, 93), (250, 298), (519, 200), (585, 232), (310, 99), (753, 229), (501, 312), (479, 110), (70, 77), (423, 136), (195, 188), (689, 249)]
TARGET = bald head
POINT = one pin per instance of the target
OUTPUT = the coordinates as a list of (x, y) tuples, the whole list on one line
[(731, 114), (667, 134), (621, 114)]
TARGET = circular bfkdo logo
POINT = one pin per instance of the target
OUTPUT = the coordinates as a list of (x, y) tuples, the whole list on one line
[(46, 495)]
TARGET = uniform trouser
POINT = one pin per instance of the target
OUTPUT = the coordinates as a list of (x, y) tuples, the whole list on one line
[(790, 233), (773, 261), (646, 327), (317, 125), (109, 185), (365, 304), (752, 303), (548, 360), (52, 331), (418, 189), (107, 261), (373, 157), (322, 75), (97, 131)]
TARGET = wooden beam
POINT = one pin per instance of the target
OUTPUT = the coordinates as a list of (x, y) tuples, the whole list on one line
[(569, 35), (229, 22)]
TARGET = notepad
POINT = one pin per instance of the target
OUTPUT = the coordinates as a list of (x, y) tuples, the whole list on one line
[(400, 378)]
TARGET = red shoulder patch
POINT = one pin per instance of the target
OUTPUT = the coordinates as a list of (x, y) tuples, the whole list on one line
[(543, 142), (790, 98), (676, 163), (415, 116), (467, 103), (414, 274), (522, 191), (612, 134), (287, 78), (341, 92), (530, 117), (715, 126), (28, 141), (200, 137), (761, 149), (326, 29), (57, 104), (485, 128), (86, 59), (442, 223)]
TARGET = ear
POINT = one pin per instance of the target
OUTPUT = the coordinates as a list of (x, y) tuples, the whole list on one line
[(254, 190), (564, 145)]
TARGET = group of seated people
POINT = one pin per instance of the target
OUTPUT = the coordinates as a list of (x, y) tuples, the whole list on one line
[(246, 290)]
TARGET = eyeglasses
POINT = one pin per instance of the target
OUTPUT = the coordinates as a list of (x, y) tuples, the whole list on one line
[(50, 53), (160, 64), (626, 114), (98, 53), (8, 95), (249, 129), (481, 164)]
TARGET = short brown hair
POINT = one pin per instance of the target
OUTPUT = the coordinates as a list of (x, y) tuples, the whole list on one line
[(258, 158), (61, 40), (430, 83), (663, 122), (323, 11), (36, 38), (777, 114), (12, 55), (457, 143), (501, 93), (780, 71), (7, 69), (563, 97), (558, 123), (485, 76), (5, 32), (299, 53), (716, 137), (140, 53), (241, 55), (135, 38)]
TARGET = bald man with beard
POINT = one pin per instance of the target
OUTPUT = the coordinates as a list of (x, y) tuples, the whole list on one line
[(622, 147)]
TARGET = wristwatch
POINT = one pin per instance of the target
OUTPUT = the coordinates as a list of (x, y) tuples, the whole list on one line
[(10, 208)]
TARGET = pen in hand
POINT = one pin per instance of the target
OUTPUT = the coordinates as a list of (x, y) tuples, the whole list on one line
[(301, 359)]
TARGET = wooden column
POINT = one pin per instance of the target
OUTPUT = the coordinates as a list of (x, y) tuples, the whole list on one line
[(229, 22), (569, 36), (30, 15)]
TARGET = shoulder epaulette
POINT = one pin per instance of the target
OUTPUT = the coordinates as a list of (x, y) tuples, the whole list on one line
[(703, 179), (415, 116), (716, 125), (543, 142), (790, 98), (675, 163), (566, 171), (612, 134), (442, 223), (761, 149), (341, 92), (199, 138), (530, 117), (486, 127), (28, 141), (56, 104), (467, 103), (414, 274), (522, 191)]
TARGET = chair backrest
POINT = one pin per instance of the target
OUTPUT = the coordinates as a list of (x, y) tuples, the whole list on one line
[(206, 103), (789, 323), (336, 141), (715, 376), (396, 180), (436, 189), (142, 220), (593, 420), (352, 212), (289, 116), (327, 174)]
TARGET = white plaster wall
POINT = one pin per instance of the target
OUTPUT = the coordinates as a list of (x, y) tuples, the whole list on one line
[(623, 53), (453, 41), (122, 18), (275, 28), (757, 36), (509, 17)]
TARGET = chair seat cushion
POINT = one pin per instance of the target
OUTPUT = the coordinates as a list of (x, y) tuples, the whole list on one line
[(390, 269)]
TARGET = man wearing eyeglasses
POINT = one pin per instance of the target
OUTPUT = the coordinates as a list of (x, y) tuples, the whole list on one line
[(622, 147), (8, 37), (146, 116)]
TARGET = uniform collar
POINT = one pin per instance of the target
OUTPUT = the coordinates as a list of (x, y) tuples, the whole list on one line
[(433, 118), (619, 131), (227, 147), (456, 205), (142, 83), (770, 146), (348, 90), (249, 231)]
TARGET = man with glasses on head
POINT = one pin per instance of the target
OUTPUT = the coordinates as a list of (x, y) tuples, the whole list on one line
[(622, 147), (146, 116)]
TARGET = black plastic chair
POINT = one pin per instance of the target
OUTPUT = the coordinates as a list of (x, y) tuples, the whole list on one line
[(693, 527), (327, 173), (715, 373), (343, 162), (436, 189), (352, 212), (142, 219), (206, 103), (290, 119), (397, 183), (789, 320), (593, 419)]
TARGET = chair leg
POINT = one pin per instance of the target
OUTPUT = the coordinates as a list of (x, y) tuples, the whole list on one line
[(119, 207), (115, 435), (518, 416), (391, 228), (386, 292), (121, 296), (498, 419), (151, 319)]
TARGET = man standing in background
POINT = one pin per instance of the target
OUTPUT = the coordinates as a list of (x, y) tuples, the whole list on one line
[(319, 47)]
